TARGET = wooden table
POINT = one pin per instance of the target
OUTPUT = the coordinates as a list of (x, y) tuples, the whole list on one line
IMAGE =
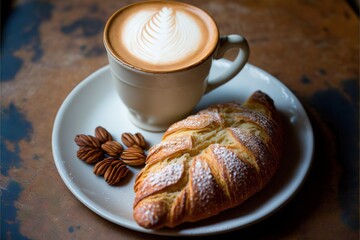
[(49, 46)]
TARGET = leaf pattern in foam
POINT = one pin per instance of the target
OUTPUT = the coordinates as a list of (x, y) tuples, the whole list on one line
[(164, 36)]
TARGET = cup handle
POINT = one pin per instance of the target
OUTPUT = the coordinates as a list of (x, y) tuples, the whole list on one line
[(226, 43)]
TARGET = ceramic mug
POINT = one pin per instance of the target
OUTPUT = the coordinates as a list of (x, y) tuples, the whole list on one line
[(158, 97)]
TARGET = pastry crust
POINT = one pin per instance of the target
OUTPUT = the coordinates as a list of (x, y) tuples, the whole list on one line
[(209, 162)]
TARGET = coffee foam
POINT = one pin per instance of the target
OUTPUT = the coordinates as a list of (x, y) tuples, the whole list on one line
[(161, 36)]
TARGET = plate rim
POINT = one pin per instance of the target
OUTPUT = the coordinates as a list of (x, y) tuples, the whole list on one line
[(84, 200)]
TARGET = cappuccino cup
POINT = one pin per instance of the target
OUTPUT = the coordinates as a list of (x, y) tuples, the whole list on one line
[(160, 54)]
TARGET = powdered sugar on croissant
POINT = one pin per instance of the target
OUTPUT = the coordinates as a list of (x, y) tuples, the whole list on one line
[(209, 162)]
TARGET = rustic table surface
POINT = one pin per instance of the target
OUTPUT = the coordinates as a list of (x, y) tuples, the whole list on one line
[(49, 46)]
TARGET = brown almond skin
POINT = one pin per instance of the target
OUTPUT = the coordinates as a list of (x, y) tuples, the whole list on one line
[(102, 134), (140, 140), (130, 140), (112, 148), (135, 162), (133, 156), (115, 172), (83, 140), (90, 155), (100, 167)]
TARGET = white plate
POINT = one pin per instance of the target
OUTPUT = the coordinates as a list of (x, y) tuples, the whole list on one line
[(94, 102)]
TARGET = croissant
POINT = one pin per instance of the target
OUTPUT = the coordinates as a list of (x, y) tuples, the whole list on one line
[(211, 161)]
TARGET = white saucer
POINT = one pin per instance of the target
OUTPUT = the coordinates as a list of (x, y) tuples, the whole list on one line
[(94, 102)]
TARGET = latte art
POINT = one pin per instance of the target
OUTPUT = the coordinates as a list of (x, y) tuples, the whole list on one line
[(163, 36)]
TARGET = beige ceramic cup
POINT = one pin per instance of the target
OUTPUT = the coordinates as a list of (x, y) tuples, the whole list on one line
[(157, 98)]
